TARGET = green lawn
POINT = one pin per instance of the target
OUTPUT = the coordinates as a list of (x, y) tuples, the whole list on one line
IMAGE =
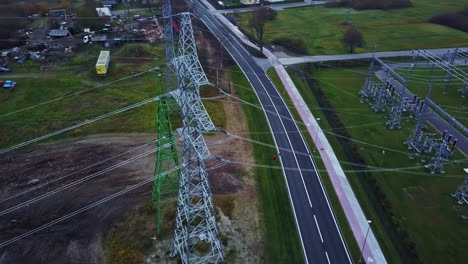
[(421, 204), (229, 3), (35, 87), (280, 237), (397, 29)]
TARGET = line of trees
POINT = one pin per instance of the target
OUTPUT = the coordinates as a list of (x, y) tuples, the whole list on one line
[(458, 20)]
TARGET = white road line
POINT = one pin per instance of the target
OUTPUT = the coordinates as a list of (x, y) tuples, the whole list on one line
[(326, 254), (318, 228), (279, 118), (289, 192), (323, 189)]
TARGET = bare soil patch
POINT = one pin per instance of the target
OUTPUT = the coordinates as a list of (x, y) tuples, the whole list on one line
[(78, 240)]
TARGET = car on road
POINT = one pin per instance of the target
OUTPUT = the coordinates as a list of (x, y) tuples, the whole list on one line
[(1, 83), (3, 69), (9, 84)]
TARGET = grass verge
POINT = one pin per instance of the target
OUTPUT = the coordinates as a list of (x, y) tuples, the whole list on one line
[(280, 237)]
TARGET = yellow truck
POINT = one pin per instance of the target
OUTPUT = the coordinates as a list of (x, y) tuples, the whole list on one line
[(102, 64)]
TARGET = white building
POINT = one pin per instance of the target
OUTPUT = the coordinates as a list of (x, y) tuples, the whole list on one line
[(250, 2), (103, 12), (253, 2)]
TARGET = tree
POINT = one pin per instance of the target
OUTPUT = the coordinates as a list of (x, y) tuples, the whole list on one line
[(257, 24), (65, 4), (352, 38)]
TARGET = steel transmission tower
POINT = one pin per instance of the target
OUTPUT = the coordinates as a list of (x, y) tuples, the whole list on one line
[(169, 42), (166, 157), (442, 154), (195, 235), (462, 192)]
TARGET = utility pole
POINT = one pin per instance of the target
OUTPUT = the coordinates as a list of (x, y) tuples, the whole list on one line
[(366, 90), (369, 222), (462, 192), (196, 238), (169, 43), (165, 158), (442, 155), (462, 195)]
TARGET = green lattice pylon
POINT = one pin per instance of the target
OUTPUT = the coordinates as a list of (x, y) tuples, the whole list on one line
[(166, 158)]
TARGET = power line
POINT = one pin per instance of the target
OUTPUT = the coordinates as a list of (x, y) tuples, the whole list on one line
[(327, 132), (78, 125), (75, 172), (76, 93), (84, 179), (86, 208), (372, 168)]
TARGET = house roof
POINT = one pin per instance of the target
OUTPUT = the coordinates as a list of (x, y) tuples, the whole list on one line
[(103, 11), (59, 33), (98, 38), (57, 12), (108, 2)]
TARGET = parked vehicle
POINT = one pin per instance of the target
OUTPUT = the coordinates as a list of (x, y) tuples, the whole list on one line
[(1, 83), (9, 84), (102, 64), (2, 69)]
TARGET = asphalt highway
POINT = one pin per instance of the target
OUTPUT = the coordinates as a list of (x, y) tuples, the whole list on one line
[(320, 235)]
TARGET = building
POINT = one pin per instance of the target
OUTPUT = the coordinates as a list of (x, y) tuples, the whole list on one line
[(59, 33), (109, 3), (58, 13), (256, 2), (103, 12), (250, 2)]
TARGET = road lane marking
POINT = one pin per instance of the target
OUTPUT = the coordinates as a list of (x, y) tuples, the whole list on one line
[(255, 74), (328, 259), (318, 228)]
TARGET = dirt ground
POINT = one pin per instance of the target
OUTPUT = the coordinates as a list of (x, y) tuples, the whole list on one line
[(77, 240)]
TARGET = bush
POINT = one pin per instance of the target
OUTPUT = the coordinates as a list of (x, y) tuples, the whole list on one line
[(339, 3), (298, 45), (371, 4), (457, 20), (270, 14)]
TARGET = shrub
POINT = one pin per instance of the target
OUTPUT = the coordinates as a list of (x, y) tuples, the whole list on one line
[(457, 20), (371, 4), (270, 14), (339, 3), (298, 45)]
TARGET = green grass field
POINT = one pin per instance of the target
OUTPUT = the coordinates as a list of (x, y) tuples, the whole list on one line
[(421, 203), (78, 74), (280, 237), (397, 29)]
